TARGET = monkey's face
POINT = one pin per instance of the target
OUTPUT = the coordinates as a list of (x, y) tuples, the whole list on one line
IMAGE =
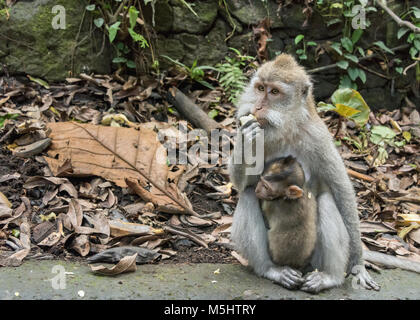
[(272, 99), (265, 190)]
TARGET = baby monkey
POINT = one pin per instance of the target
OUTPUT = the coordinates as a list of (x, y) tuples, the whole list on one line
[(290, 212)]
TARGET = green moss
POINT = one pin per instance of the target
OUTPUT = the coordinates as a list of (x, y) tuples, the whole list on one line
[(42, 51)]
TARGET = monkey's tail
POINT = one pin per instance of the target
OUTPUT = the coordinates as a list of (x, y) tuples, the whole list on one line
[(391, 261)]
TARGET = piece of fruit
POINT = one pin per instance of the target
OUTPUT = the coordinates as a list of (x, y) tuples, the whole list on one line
[(246, 119)]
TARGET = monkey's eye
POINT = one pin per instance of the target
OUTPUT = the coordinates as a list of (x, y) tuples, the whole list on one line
[(260, 88), (275, 91)]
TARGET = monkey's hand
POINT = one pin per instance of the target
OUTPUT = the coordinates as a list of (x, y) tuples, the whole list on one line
[(363, 278), (285, 276), (250, 129)]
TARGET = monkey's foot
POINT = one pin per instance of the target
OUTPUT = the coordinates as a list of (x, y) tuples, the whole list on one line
[(285, 276), (315, 282), (363, 278)]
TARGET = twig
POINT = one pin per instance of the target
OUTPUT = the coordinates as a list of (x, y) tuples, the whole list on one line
[(359, 175), (397, 19), (190, 211), (411, 65), (374, 72), (73, 53), (334, 65), (191, 111), (186, 234), (147, 31)]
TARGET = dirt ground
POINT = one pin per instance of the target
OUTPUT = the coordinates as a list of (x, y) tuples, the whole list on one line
[(187, 251)]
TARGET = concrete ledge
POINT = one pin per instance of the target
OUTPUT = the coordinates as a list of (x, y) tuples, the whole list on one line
[(182, 281)]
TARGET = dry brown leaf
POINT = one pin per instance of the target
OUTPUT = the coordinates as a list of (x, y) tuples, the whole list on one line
[(16, 258), (415, 235), (374, 227), (117, 154), (241, 259), (81, 245), (126, 264), (120, 228), (5, 207), (63, 183)]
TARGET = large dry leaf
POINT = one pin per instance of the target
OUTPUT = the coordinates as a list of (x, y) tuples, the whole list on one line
[(116, 154)]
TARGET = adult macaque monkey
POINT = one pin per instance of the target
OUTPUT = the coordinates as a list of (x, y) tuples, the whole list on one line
[(280, 98)]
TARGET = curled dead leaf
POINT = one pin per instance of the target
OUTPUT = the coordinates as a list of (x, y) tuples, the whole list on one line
[(126, 264)]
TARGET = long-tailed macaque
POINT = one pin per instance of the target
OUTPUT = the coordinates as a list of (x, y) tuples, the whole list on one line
[(290, 211), (280, 97)]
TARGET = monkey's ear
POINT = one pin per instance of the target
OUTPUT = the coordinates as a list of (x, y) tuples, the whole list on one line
[(294, 192), (307, 86)]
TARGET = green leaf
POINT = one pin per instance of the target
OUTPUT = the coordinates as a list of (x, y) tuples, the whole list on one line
[(311, 43), (362, 75), (356, 35), (112, 30), (413, 52), (39, 81), (138, 38), (417, 44), (351, 57), (400, 144), (353, 73), (322, 106), (383, 131), (401, 32), (361, 51), (213, 113), (90, 7), (337, 48), (16, 233), (7, 116), (119, 60), (382, 45), (205, 83), (133, 14), (399, 70), (347, 44), (416, 12), (299, 38), (343, 64), (333, 21), (345, 82), (99, 22), (131, 64), (352, 99)]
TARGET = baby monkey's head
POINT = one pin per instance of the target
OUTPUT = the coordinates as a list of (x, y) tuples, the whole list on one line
[(282, 178)]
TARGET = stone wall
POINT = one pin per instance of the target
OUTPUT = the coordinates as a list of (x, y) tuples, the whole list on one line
[(29, 45), (183, 36)]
